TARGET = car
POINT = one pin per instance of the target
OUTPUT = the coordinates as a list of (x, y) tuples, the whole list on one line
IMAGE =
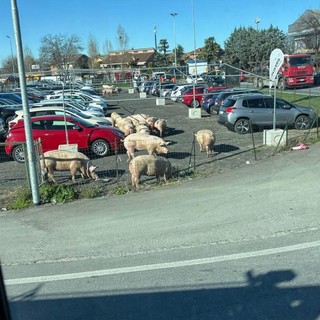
[(239, 112), (192, 97), (91, 111), (192, 78), (41, 111), (166, 89), (84, 98), (155, 90), (226, 93), (175, 95), (54, 130), (208, 101), (3, 130), (12, 96), (7, 112)]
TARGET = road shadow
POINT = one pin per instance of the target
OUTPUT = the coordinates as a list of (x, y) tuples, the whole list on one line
[(260, 297)]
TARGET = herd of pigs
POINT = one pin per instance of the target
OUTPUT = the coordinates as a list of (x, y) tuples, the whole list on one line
[(142, 132)]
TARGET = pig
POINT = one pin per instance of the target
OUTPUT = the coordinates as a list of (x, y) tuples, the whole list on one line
[(63, 160), (206, 140), (139, 118), (149, 165), (126, 127), (142, 141), (160, 126), (142, 128)]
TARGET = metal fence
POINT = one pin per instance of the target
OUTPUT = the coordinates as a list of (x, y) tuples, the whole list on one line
[(185, 157)]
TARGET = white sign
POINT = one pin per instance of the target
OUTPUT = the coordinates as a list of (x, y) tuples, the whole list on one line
[(276, 61), (35, 67)]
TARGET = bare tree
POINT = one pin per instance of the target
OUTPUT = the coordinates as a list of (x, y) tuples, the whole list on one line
[(93, 51), (309, 23), (59, 50), (29, 59), (123, 40), (107, 47)]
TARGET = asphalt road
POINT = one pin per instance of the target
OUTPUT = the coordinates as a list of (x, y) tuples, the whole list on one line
[(238, 245)]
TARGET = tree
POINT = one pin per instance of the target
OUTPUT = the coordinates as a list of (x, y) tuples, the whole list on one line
[(248, 45), (212, 51), (180, 52), (107, 47), (60, 50), (29, 59), (163, 47), (93, 51), (123, 41)]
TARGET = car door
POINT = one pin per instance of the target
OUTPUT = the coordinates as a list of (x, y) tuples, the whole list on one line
[(257, 111), (59, 132), (284, 114)]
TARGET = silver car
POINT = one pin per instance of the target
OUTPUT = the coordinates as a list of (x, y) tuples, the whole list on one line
[(239, 112)]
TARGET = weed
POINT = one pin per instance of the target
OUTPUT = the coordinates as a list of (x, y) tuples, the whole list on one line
[(90, 192), (22, 199)]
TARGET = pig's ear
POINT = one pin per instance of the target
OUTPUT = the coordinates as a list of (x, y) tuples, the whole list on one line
[(92, 168)]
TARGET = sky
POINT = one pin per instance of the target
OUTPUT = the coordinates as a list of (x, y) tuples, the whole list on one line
[(196, 20)]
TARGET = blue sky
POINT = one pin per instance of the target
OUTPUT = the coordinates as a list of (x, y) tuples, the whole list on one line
[(101, 18)]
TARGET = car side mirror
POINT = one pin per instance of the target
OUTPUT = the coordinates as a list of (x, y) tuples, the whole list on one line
[(76, 127)]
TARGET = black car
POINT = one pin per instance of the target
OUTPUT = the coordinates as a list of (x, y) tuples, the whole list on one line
[(8, 111), (208, 101)]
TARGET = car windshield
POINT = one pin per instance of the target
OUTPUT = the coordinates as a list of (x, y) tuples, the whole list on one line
[(299, 61), (75, 111)]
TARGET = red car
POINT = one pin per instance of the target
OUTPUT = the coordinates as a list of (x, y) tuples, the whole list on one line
[(52, 129), (193, 98)]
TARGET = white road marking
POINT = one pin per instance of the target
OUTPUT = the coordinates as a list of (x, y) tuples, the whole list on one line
[(158, 266)]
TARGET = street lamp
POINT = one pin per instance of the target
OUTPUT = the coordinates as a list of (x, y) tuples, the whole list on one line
[(12, 61), (174, 35), (257, 21)]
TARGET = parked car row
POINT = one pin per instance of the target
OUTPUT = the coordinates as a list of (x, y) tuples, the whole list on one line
[(242, 109), (85, 101)]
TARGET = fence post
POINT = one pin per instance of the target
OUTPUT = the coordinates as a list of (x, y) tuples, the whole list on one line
[(253, 144)]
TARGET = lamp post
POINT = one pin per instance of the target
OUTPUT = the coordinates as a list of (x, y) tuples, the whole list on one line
[(257, 21), (12, 61), (174, 35)]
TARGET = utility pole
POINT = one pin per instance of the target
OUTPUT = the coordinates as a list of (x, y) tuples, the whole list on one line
[(155, 37), (174, 35)]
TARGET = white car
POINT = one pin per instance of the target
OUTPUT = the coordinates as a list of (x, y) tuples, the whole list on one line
[(84, 98), (176, 94), (40, 111), (192, 78), (91, 111)]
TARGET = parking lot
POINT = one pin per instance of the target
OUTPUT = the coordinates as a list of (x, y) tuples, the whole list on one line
[(230, 150)]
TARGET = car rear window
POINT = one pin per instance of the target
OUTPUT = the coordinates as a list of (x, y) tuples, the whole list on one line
[(229, 103)]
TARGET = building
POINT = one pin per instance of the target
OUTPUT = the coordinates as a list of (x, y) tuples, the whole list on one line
[(134, 58), (305, 32)]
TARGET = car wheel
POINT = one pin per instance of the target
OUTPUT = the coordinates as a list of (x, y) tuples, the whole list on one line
[(211, 110), (302, 122), (18, 154), (195, 103), (281, 84), (242, 126), (100, 147)]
